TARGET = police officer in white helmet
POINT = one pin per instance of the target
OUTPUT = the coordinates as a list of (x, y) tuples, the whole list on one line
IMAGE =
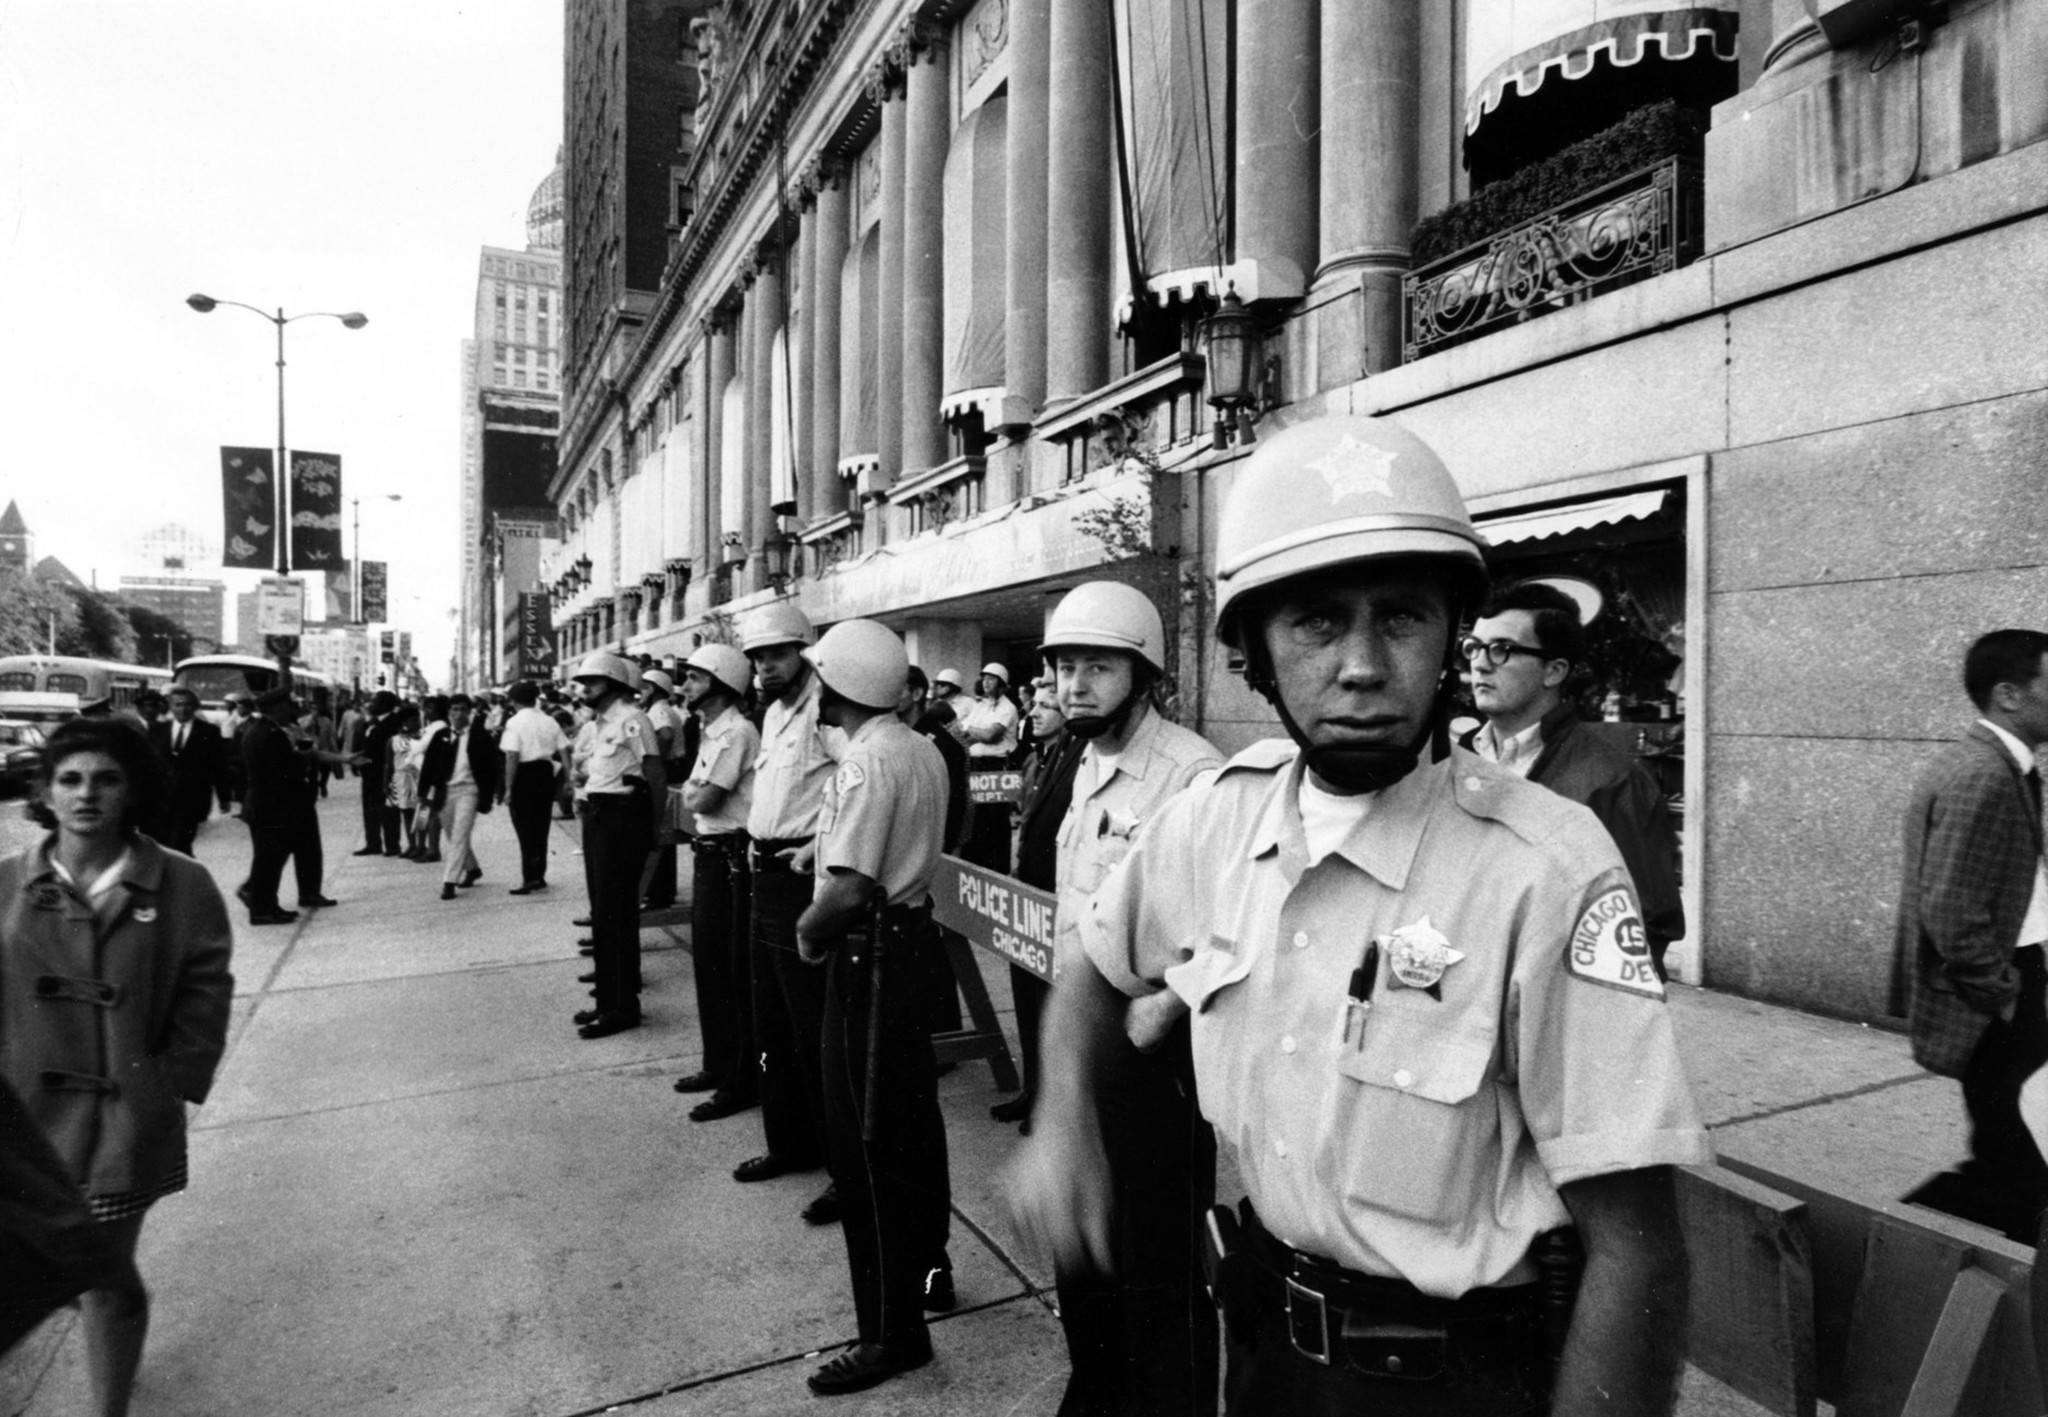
[(622, 810), (878, 842), (719, 795), (789, 996), (671, 730), (1425, 1023)]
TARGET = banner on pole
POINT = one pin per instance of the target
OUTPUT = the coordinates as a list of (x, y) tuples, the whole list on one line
[(373, 607), (316, 511), (996, 913), (536, 635), (248, 480)]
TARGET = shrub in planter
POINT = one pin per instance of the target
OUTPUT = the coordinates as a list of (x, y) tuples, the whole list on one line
[(1646, 136)]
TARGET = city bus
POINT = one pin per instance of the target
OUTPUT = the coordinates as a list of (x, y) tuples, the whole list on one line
[(214, 676), (87, 681)]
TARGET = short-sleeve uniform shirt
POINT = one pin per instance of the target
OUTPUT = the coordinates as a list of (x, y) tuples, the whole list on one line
[(791, 773), (884, 813), (665, 715), (1112, 800), (532, 736), (725, 758), (621, 736), (984, 714), (1529, 1048)]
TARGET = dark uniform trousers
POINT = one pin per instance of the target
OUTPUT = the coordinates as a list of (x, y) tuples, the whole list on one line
[(789, 1013), (1307, 1338), (616, 831), (1144, 1340), (373, 783), (531, 801), (720, 901), (895, 1190)]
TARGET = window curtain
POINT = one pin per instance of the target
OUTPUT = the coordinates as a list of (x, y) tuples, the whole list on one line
[(781, 465), (1174, 71), (732, 458), (859, 324), (976, 300)]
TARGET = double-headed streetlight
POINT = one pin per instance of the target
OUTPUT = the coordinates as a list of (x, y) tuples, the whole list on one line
[(354, 320)]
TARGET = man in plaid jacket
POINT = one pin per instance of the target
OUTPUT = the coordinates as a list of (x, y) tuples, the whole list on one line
[(1973, 916)]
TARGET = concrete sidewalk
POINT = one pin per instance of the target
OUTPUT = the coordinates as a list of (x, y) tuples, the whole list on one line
[(416, 1191)]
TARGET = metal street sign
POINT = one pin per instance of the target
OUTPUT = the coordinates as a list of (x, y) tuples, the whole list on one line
[(280, 606), (995, 912)]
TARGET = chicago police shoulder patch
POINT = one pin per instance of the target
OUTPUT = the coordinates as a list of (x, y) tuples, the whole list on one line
[(849, 776), (1608, 945)]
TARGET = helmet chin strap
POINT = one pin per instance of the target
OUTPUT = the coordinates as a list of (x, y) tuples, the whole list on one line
[(1092, 726), (1351, 769)]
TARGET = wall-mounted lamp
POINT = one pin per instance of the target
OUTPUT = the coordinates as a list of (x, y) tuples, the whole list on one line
[(582, 571), (1230, 347), (781, 554)]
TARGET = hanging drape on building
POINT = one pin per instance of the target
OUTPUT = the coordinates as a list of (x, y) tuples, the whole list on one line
[(1174, 80), (781, 429), (1523, 42), (976, 295), (733, 471), (679, 486), (859, 325)]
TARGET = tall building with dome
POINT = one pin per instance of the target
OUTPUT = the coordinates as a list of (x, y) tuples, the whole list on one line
[(511, 381)]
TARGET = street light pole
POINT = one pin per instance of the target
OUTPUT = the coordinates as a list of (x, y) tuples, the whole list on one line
[(281, 479)]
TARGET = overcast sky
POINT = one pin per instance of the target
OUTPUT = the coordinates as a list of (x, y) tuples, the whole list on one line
[(285, 154)]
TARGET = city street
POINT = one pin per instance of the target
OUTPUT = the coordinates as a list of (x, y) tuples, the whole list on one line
[(415, 1191)]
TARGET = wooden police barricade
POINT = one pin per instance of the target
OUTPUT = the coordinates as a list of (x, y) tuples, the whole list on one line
[(1882, 1310), (1004, 916)]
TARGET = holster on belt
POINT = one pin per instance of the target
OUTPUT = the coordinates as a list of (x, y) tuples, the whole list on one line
[(1230, 1273)]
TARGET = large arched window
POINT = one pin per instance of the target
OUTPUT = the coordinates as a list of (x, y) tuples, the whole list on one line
[(976, 298)]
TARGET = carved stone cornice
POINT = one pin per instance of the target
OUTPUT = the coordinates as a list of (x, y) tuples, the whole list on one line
[(884, 81), (919, 40)]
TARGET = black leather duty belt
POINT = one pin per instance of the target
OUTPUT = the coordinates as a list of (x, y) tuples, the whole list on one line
[(1387, 1327), (767, 853)]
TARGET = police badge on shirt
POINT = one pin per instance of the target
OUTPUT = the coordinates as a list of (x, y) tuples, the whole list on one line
[(1608, 945)]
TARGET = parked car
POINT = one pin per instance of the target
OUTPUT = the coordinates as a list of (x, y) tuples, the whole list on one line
[(21, 756)]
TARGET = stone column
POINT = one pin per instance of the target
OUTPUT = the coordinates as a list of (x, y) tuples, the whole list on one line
[(1024, 219), (1369, 131), (1276, 141), (927, 128), (802, 337), (718, 373), (764, 311), (1080, 166), (828, 261), (889, 305)]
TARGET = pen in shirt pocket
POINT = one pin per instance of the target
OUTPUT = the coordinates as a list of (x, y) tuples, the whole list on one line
[(1358, 1000)]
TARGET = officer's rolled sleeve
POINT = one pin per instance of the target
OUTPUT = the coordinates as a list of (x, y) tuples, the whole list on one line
[(1601, 1084)]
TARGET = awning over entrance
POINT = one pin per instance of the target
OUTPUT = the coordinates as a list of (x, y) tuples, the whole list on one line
[(1579, 516), (1523, 42)]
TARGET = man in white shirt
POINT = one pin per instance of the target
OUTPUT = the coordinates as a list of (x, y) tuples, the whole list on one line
[(535, 748)]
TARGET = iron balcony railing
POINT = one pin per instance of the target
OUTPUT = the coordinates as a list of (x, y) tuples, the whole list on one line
[(1631, 229)]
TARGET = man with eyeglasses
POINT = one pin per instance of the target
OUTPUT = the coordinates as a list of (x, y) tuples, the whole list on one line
[(1522, 650)]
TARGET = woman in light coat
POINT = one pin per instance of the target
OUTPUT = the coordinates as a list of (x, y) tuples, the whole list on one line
[(114, 991)]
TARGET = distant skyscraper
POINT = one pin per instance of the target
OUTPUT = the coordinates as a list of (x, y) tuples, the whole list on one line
[(511, 381), (172, 549)]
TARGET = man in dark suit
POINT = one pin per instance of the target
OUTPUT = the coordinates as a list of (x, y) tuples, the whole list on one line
[(1973, 917), (1523, 649), (274, 788), (373, 744), (198, 760)]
